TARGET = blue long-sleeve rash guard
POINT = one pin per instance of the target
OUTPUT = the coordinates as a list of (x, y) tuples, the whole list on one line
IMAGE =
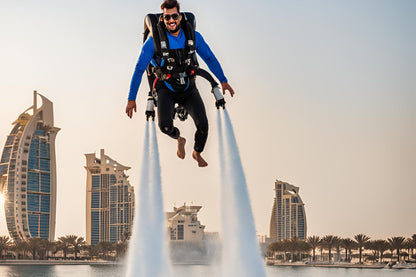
[(178, 42)]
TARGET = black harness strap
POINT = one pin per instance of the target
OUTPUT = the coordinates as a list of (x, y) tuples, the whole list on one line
[(163, 40)]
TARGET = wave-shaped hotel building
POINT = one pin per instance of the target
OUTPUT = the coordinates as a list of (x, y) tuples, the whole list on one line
[(288, 218), (28, 173)]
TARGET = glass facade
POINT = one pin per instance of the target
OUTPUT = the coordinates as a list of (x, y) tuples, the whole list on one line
[(95, 227), (301, 223), (6, 155), (39, 185), (279, 211)]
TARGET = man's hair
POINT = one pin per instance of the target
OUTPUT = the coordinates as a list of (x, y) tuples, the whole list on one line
[(170, 4)]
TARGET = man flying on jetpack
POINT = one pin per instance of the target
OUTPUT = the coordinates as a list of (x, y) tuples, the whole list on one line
[(171, 52)]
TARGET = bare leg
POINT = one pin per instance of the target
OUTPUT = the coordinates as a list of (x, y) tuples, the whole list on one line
[(181, 147), (199, 159)]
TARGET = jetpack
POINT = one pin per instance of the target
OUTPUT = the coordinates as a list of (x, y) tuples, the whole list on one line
[(154, 27)]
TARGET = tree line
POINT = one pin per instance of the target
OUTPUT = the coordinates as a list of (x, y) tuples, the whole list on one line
[(65, 247), (341, 249)]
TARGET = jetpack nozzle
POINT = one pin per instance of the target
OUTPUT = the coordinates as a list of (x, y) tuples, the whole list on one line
[(219, 98), (150, 108)]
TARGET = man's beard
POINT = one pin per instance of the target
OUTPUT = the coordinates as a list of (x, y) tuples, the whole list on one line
[(178, 26)]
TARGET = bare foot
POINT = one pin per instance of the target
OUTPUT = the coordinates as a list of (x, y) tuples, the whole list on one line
[(181, 148), (199, 159)]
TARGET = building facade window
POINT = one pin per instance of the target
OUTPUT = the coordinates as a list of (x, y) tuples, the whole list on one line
[(180, 232)]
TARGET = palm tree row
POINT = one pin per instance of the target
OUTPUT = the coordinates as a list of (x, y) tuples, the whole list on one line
[(295, 247), (40, 249), (359, 242)]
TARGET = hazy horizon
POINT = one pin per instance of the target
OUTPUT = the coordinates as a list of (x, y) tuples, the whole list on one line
[(325, 100)]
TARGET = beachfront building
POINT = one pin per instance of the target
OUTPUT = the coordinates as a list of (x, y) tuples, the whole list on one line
[(188, 241), (110, 200), (288, 218), (28, 173), (184, 225)]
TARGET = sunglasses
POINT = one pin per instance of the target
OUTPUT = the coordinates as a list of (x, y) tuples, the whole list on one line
[(167, 17)]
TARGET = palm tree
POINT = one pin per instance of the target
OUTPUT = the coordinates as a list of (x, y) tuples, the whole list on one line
[(381, 246), (409, 246), (280, 246), (274, 247), (313, 241), (348, 245), (21, 247), (43, 248), (64, 243), (337, 245), (391, 248), (396, 243), (120, 248), (361, 239), (371, 245), (78, 244), (294, 243), (285, 244), (37, 246), (105, 247), (32, 246), (413, 242), (53, 247), (321, 249), (298, 246), (328, 242), (304, 247), (92, 250), (5, 244)]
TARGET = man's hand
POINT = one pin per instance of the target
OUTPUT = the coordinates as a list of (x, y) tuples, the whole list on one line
[(131, 105), (225, 86)]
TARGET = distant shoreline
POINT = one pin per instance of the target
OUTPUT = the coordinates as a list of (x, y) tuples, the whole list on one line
[(370, 266), (56, 262), (83, 262)]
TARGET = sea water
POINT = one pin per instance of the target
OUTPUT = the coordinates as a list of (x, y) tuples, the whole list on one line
[(194, 271)]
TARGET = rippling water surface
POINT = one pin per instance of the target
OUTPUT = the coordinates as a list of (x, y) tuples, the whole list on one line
[(193, 271)]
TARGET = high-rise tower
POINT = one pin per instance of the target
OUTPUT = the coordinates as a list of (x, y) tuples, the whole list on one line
[(28, 173), (288, 218), (110, 200)]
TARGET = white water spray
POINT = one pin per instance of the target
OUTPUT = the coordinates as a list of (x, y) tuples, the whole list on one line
[(240, 255), (148, 248)]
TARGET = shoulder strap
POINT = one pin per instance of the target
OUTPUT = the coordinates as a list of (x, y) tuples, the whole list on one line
[(163, 40), (188, 26), (151, 22)]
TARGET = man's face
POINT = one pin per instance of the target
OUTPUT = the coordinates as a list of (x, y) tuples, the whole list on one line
[(172, 25)]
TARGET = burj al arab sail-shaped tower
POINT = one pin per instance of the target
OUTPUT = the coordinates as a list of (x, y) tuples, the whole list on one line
[(28, 173)]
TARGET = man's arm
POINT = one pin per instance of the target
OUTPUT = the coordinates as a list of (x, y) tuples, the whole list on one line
[(214, 66), (145, 57)]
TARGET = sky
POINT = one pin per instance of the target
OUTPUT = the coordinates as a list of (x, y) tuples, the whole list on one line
[(325, 100)]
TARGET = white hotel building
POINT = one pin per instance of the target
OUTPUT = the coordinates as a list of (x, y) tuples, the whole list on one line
[(28, 173)]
